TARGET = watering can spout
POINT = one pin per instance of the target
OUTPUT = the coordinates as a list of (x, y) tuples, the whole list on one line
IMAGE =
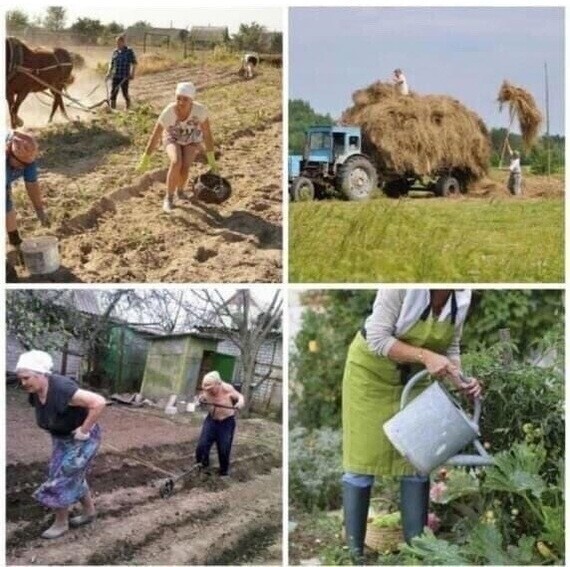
[(483, 459)]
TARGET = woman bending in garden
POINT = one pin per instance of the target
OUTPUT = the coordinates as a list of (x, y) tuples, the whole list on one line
[(185, 129), (70, 415), (408, 331)]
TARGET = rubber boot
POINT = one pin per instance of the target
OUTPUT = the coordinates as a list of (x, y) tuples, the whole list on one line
[(355, 502), (414, 505)]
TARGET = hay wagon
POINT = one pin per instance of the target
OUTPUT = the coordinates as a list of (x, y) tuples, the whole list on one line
[(335, 163)]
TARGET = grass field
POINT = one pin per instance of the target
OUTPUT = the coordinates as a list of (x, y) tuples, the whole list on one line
[(433, 240)]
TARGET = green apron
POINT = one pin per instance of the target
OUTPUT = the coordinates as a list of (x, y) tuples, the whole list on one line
[(371, 392)]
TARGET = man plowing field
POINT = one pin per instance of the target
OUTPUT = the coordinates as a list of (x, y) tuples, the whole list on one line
[(70, 415), (222, 401), (121, 71), (184, 127)]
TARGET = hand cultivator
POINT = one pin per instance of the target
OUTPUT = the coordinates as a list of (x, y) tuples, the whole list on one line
[(167, 487)]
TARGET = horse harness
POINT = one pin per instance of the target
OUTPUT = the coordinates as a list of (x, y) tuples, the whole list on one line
[(16, 58)]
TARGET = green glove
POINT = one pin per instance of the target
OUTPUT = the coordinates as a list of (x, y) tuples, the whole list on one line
[(212, 162), (143, 164)]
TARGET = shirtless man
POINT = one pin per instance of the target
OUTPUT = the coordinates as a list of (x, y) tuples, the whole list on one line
[(220, 423)]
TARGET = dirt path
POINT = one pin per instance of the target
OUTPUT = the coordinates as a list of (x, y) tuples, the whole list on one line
[(109, 220), (208, 520)]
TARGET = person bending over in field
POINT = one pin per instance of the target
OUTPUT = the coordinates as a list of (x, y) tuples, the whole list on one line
[(185, 129), (249, 63), (222, 400), (70, 415), (21, 156)]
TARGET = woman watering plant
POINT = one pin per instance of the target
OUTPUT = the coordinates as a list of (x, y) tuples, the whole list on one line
[(408, 331), (70, 415)]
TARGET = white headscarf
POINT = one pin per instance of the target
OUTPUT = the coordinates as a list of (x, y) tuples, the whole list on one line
[(186, 89), (36, 361)]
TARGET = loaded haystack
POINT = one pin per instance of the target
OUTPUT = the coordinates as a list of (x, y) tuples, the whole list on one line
[(522, 106), (415, 135)]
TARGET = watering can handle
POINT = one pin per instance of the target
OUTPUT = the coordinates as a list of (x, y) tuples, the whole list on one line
[(422, 374)]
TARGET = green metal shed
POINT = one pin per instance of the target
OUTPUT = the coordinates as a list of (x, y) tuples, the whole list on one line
[(175, 364), (124, 358)]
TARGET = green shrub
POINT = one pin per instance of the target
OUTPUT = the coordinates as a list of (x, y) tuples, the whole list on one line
[(315, 468)]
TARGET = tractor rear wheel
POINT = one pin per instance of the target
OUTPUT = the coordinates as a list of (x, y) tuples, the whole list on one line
[(447, 186), (302, 189), (357, 179)]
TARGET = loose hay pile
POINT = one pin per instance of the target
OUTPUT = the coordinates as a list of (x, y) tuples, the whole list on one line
[(419, 135), (522, 106)]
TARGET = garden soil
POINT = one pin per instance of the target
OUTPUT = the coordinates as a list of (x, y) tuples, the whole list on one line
[(109, 219), (208, 520)]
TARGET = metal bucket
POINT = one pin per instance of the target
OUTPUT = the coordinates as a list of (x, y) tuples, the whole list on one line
[(41, 254), (212, 188), (432, 429)]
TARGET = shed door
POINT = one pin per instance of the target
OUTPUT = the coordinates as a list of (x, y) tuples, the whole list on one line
[(224, 364)]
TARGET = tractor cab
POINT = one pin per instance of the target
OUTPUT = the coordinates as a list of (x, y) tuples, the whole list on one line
[(331, 145)]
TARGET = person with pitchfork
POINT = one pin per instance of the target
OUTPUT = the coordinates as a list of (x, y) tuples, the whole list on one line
[(70, 415), (21, 156), (185, 130), (514, 183), (222, 400), (121, 70)]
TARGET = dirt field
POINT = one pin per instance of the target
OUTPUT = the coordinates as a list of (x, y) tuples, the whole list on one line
[(109, 219), (209, 520)]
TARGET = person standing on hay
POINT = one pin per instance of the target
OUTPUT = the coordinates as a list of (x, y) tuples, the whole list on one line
[(21, 156), (70, 415), (408, 330), (185, 129), (514, 184), (222, 401), (400, 83), (121, 71)]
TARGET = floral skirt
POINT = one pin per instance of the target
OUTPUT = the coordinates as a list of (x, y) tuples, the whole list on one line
[(70, 461)]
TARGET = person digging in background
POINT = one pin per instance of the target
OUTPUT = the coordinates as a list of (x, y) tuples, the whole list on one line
[(408, 331), (185, 129), (400, 83), (121, 70), (249, 62), (220, 423), (514, 183), (70, 415), (21, 156)]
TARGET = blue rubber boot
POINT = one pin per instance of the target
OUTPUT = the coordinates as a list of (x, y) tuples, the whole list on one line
[(414, 505), (355, 502)]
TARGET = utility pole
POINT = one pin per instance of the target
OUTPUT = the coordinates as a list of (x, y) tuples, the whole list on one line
[(547, 119)]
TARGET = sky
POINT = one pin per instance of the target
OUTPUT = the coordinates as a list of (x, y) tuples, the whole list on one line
[(162, 15), (462, 52)]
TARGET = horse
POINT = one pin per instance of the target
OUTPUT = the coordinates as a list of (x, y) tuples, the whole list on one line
[(35, 70)]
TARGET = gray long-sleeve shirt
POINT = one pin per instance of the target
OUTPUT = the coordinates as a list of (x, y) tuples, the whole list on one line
[(396, 310)]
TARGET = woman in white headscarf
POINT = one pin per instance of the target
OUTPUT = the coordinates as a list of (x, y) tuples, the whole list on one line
[(185, 129), (70, 415)]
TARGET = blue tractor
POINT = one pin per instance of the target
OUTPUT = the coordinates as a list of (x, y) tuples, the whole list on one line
[(332, 157), (333, 162)]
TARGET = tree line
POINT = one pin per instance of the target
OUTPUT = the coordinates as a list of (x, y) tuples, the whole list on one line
[(88, 30)]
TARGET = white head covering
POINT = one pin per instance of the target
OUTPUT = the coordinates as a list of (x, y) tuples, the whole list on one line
[(186, 89), (211, 379), (36, 361)]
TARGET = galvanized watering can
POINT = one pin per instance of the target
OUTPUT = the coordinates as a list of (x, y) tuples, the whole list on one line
[(432, 429)]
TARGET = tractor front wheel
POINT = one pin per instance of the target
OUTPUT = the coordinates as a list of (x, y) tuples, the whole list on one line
[(357, 179), (303, 189)]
